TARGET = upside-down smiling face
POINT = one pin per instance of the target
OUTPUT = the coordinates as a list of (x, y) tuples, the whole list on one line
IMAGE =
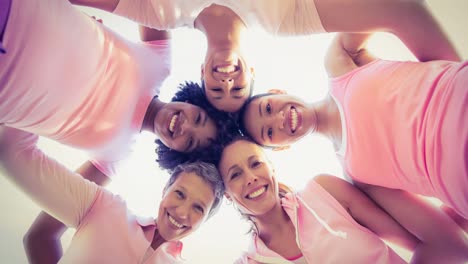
[(227, 80), (248, 178)]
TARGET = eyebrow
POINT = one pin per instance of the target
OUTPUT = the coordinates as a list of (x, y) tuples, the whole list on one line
[(260, 109), (196, 200), (232, 167)]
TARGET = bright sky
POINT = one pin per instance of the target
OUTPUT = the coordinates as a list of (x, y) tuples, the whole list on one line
[(293, 64)]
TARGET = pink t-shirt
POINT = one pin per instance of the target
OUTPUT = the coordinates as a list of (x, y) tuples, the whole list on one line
[(107, 232), (292, 17), (69, 78), (405, 127), (325, 233)]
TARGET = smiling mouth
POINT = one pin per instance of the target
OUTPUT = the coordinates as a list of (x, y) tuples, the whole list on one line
[(256, 193), (227, 69), (294, 119), (173, 123), (175, 223)]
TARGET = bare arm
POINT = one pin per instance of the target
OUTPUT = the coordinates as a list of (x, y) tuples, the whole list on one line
[(347, 51), (59, 191), (366, 212), (410, 20), (443, 241), (151, 34), (42, 241), (106, 5)]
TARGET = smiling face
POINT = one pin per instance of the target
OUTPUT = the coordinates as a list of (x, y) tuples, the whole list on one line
[(184, 127), (278, 120), (185, 205), (249, 178), (227, 80)]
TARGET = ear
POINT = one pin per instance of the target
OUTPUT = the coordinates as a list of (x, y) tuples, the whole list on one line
[(281, 148), (227, 196), (252, 72), (202, 71), (277, 91)]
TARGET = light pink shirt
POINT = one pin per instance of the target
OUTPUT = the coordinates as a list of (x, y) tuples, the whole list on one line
[(405, 127), (292, 17), (69, 78), (106, 232), (325, 233)]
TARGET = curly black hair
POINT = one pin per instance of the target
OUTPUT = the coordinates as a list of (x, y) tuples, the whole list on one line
[(226, 124)]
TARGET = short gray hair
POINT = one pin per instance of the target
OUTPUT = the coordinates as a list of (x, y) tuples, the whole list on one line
[(209, 173)]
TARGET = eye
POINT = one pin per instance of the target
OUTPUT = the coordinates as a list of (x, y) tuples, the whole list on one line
[(216, 89), (199, 209), (237, 88), (235, 175), (270, 133), (256, 164), (268, 108), (180, 194)]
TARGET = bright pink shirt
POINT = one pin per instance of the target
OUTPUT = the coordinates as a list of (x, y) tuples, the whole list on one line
[(279, 17), (405, 127), (106, 231), (325, 233), (69, 78)]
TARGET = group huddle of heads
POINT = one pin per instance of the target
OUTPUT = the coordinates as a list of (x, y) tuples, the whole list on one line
[(231, 128)]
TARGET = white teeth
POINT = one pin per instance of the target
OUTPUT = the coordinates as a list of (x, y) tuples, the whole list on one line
[(226, 69), (293, 119), (173, 122), (174, 222), (257, 193)]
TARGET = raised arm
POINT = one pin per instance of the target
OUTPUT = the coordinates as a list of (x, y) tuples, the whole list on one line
[(59, 191), (151, 34), (42, 241), (410, 20), (443, 240), (366, 212), (106, 5), (346, 52)]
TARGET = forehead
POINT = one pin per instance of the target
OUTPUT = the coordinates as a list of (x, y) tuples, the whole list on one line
[(195, 187), (252, 119), (227, 103), (238, 152)]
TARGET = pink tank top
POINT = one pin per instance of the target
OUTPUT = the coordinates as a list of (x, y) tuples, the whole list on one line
[(404, 126)]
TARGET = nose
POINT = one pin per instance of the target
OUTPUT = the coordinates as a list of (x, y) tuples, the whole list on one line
[(227, 82), (279, 119), (251, 178), (182, 211)]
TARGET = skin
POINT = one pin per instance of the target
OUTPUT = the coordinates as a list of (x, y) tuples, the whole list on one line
[(187, 201), (225, 89), (407, 221), (42, 240), (191, 128), (245, 171)]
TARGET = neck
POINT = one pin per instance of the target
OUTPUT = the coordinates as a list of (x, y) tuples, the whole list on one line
[(158, 240), (151, 112), (271, 223), (221, 26), (328, 120)]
